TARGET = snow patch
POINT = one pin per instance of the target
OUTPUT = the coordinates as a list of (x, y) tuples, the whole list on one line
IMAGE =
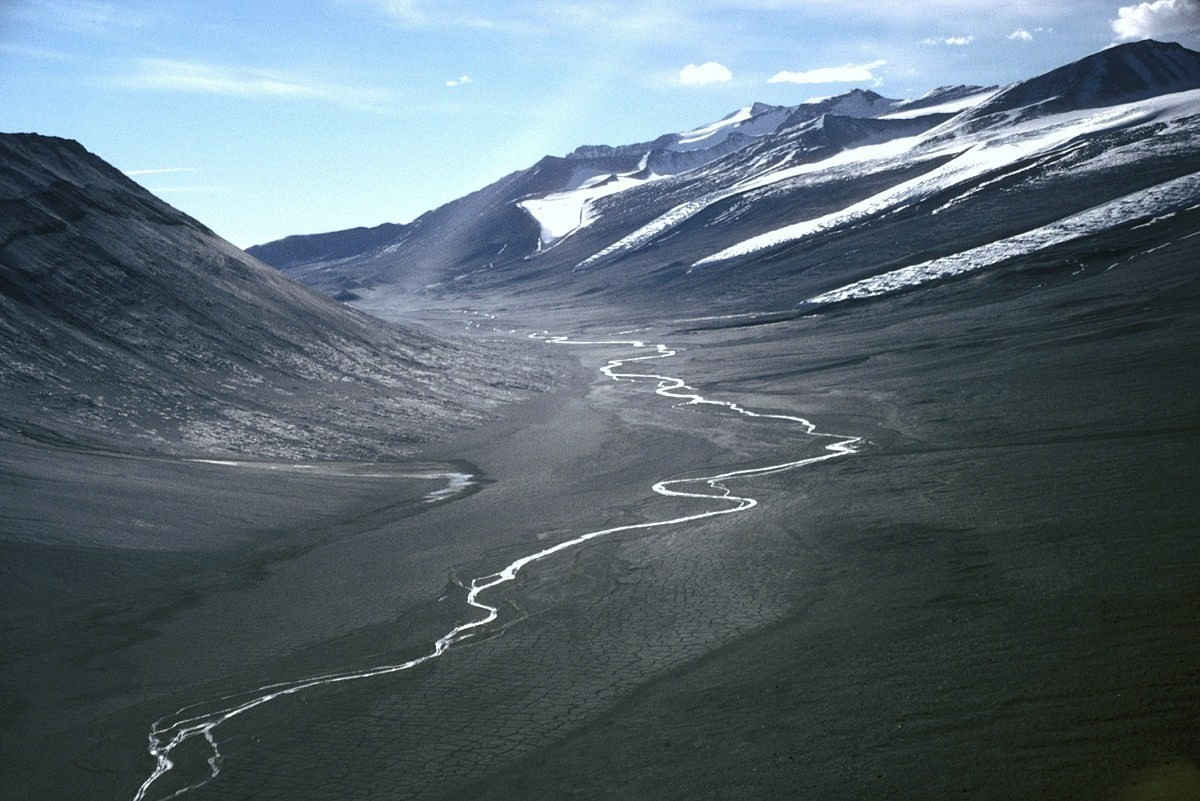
[(561, 214), (684, 211), (984, 153), (744, 121), (1157, 202), (949, 107)]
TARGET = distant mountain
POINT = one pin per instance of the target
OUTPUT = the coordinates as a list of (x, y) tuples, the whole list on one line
[(804, 200), (327, 247), (492, 223), (857, 103), (743, 126), (126, 324), (944, 99)]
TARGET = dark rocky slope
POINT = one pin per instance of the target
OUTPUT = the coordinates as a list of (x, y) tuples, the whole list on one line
[(126, 322)]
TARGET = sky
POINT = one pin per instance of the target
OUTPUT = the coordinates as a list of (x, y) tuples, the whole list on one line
[(265, 118)]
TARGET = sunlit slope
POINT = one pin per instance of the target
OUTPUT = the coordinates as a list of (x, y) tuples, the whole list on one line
[(128, 323)]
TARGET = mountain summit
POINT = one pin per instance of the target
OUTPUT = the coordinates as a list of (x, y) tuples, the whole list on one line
[(1121, 74)]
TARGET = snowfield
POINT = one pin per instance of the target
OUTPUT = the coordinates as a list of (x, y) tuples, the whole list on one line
[(747, 121), (987, 151), (561, 214), (1157, 203)]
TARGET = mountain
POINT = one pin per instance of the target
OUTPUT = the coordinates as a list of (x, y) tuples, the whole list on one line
[(1120, 74), (495, 221), (737, 129), (329, 247), (128, 324), (958, 169), (944, 99)]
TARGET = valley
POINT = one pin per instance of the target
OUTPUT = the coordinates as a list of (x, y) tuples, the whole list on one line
[(844, 450)]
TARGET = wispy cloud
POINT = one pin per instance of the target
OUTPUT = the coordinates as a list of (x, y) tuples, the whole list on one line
[(1159, 19), (31, 51), (850, 73), (415, 14), (170, 75), (646, 21), (82, 16), (949, 41), (704, 74), (465, 79), (642, 22), (195, 189), (406, 12), (161, 171)]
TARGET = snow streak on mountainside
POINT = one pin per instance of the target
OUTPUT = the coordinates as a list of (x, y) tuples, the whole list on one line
[(809, 198), (1155, 204), (974, 156), (829, 168), (755, 120), (560, 214), (945, 100), (744, 125)]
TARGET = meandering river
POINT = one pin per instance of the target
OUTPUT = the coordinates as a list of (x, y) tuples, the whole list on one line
[(196, 724)]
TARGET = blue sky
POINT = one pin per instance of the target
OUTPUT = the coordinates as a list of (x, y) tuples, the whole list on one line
[(264, 119)]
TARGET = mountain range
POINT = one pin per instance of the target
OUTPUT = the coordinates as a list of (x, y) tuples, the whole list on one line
[(771, 192)]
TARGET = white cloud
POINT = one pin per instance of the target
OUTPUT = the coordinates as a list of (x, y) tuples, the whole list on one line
[(706, 73), (654, 22), (84, 16), (406, 12), (191, 76), (925, 15), (195, 189), (410, 14), (851, 73), (1161, 18), (459, 81), (1021, 35), (30, 51), (161, 171), (949, 41)]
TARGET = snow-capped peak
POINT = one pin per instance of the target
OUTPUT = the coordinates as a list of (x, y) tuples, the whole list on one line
[(754, 120)]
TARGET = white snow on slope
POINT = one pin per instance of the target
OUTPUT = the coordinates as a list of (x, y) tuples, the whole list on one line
[(991, 151), (561, 214), (831, 168), (714, 133), (858, 157), (949, 107), (744, 121), (1157, 202)]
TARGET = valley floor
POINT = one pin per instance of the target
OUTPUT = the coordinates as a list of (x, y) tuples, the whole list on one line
[(994, 598)]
